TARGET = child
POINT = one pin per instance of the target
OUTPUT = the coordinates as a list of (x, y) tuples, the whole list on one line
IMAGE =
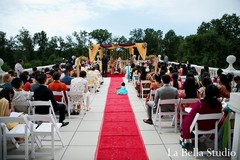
[(122, 89)]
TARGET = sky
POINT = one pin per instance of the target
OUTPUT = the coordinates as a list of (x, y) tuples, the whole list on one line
[(119, 17)]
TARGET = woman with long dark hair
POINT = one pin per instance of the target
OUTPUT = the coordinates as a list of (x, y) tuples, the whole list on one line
[(210, 104)]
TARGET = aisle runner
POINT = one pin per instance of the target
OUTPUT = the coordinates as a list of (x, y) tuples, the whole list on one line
[(119, 138)]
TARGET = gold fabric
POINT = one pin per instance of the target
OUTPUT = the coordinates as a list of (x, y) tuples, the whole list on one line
[(141, 49), (93, 51)]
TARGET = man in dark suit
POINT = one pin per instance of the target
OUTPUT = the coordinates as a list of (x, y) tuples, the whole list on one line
[(104, 65), (42, 93), (164, 92)]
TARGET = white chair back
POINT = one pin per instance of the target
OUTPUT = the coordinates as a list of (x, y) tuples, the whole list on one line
[(159, 113), (47, 127), (20, 130), (74, 98), (185, 102), (34, 104), (194, 128), (145, 86)]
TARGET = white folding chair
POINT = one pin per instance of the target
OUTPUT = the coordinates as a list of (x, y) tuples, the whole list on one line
[(186, 103), (159, 113), (61, 95), (46, 127), (19, 130), (34, 104), (145, 86), (74, 98), (22, 107), (194, 128), (91, 83)]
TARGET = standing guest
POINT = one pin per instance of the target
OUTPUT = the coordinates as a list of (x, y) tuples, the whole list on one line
[(6, 81), (18, 67), (80, 84), (165, 92), (165, 59), (42, 93), (104, 65), (128, 72), (208, 105), (56, 85)]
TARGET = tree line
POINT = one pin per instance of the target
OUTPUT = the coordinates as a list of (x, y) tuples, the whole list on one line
[(210, 46)]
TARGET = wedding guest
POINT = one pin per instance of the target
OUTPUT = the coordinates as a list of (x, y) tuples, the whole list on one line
[(20, 95), (6, 81), (80, 84), (165, 92), (42, 93), (210, 104), (18, 67)]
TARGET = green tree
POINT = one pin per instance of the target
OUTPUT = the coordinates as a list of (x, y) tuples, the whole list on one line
[(171, 43), (153, 39), (40, 40), (137, 35), (102, 36)]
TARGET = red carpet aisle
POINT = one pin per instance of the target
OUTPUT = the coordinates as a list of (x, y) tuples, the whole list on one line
[(116, 75), (119, 138)]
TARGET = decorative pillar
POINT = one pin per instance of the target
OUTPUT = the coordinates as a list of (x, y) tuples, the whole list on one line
[(234, 104), (231, 59), (1, 63)]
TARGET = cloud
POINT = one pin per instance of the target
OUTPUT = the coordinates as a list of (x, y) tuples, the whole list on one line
[(62, 17)]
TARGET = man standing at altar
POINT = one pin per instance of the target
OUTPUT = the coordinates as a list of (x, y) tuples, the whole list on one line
[(104, 65)]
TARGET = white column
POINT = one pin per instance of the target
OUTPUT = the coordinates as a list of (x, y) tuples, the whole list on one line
[(234, 104)]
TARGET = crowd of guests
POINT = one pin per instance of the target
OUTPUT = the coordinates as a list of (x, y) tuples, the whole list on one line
[(169, 83), (20, 86)]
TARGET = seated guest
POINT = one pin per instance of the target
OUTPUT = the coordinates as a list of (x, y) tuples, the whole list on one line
[(208, 105), (20, 95), (26, 83), (175, 82), (80, 84), (237, 84), (6, 104), (92, 73), (56, 85), (42, 93), (224, 86), (66, 79), (165, 92), (35, 84), (191, 90), (205, 82), (6, 81)]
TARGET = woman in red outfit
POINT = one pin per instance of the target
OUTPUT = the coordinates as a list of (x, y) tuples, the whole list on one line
[(210, 104)]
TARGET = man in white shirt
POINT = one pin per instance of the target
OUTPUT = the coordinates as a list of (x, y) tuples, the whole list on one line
[(19, 68), (81, 84)]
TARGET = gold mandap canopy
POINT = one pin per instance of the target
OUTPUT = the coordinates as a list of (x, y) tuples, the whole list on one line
[(94, 48)]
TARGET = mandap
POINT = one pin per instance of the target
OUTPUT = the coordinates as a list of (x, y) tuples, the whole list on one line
[(95, 48)]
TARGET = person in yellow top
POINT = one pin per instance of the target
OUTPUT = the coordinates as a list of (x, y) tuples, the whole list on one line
[(6, 105)]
